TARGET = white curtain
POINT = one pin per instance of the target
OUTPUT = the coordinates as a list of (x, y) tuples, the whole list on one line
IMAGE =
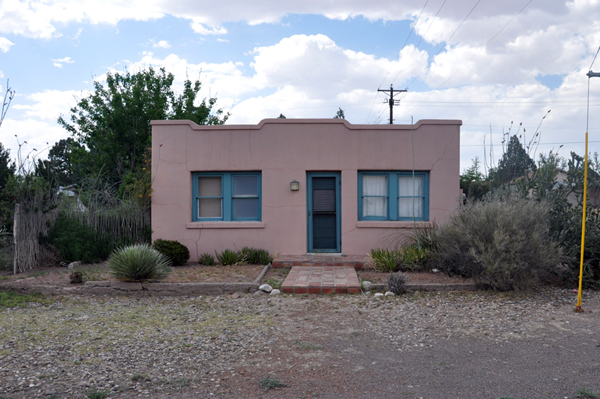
[(209, 186), (375, 196), (407, 187)]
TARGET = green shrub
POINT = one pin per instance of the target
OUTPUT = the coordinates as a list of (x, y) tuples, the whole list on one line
[(256, 256), (174, 250), (94, 393), (76, 241), (229, 257), (206, 259), (502, 242), (412, 258), (138, 262), (383, 260), (271, 383)]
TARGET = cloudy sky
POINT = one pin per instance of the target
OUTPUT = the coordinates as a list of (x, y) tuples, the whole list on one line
[(486, 62)]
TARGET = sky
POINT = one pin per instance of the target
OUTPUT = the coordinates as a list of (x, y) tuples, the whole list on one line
[(502, 67)]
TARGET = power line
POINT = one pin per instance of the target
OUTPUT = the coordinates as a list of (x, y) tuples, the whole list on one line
[(498, 145), (445, 43), (420, 40), (477, 53), (397, 58)]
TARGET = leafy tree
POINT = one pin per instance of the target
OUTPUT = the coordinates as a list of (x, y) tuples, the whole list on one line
[(515, 162), (60, 161), (339, 114), (7, 172), (281, 116), (473, 183), (112, 125)]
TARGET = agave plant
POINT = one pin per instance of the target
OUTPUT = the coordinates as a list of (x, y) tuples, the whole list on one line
[(138, 262)]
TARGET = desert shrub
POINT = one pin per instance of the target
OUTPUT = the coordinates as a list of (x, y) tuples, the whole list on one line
[(502, 242), (256, 256), (413, 258), (7, 250), (383, 260), (271, 383), (76, 241), (139, 262), (397, 283), (206, 259), (229, 257), (177, 253)]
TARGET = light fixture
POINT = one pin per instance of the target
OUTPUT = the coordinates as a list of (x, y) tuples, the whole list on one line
[(295, 185)]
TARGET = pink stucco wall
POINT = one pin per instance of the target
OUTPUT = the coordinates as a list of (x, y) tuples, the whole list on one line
[(284, 150)]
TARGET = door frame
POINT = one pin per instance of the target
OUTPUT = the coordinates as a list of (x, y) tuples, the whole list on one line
[(338, 208)]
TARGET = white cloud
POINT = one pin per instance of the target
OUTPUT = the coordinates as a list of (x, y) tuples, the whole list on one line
[(49, 104), (59, 62), (161, 44), (201, 29), (5, 44)]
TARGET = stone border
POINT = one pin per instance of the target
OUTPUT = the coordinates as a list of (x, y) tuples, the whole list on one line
[(430, 287), (196, 289), (141, 289)]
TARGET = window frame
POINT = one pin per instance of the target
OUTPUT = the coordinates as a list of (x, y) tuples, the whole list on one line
[(227, 197), (393, 195)]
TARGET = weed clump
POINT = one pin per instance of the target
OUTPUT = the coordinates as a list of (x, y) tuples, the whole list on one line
[(271, 383)]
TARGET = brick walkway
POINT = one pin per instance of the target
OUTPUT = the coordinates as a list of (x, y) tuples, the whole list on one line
[(321, 280)]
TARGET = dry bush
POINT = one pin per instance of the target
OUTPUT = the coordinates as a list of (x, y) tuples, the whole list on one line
[(502, 242)]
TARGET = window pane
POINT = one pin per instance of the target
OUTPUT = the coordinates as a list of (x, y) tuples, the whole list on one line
[(209, 186), (375, 185), (209, 208), (405, 207), (245, 185), (245, 208), (407, 188), (375, 206)]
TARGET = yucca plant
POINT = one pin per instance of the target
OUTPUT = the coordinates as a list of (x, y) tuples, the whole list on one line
[(138, 262), (206, 259), (383, 260), (397, 283), (229, 257), (256, 256)]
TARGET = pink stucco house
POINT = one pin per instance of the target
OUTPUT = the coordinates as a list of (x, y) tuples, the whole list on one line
[(298, 186)]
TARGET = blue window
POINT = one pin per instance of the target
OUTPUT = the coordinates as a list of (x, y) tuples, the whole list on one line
[(226, 196), (388, 195)]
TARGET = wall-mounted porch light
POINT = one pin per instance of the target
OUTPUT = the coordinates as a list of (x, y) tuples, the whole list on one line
[(295, 185)]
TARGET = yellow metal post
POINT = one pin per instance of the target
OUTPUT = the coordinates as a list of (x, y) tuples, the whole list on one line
[(585, 173)]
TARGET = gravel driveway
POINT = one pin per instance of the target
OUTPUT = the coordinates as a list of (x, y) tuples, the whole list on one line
[(423, 345)]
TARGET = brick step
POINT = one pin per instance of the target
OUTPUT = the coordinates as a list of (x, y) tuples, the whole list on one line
[(355, 261), (312, 279)]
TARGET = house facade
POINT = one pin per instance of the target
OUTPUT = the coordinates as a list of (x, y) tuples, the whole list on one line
[(298, 186)]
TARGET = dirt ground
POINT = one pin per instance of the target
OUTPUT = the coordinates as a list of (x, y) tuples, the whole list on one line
[(190, 273)]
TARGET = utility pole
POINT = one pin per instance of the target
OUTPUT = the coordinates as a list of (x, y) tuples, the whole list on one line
[(578, 309), (391, 101)]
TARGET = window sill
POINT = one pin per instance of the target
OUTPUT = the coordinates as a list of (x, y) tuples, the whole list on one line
[(225, 225), (390, 224)]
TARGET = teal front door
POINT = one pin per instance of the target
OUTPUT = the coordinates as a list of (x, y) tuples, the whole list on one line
[(324, 219)]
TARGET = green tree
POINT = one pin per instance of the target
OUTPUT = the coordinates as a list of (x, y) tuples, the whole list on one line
[(515, 162), (60, 161), (281, 116), (339, 114), (112, 125), (7, 172), (473, 182)]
